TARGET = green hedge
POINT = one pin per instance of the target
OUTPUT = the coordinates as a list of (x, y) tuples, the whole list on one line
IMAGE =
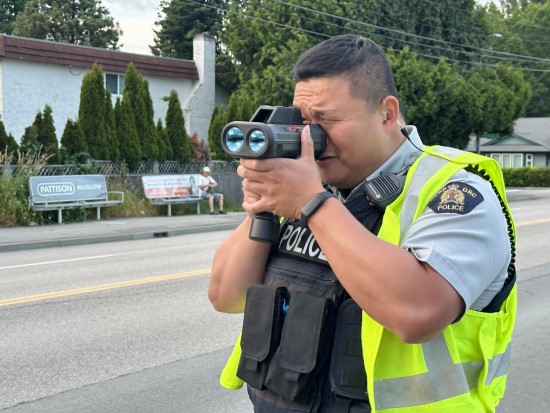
[(14, 209), (527, 176)]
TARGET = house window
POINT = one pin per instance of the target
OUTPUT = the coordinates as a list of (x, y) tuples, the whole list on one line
[(529, 159), (508, 160), (114, 83)]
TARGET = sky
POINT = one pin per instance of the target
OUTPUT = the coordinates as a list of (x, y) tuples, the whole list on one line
[(137, 20)]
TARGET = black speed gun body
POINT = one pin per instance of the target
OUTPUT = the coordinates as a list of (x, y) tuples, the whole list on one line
[(273, 132)]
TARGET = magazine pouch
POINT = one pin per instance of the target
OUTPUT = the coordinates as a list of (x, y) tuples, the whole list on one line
[(303, 340), (262, 326), (347, 370)]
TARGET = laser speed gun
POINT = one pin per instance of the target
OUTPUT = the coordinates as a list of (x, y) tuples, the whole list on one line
[(273, 132)]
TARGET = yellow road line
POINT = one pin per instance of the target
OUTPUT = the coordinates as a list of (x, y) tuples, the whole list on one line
[(525, 223), (142, 281), (102, 287)]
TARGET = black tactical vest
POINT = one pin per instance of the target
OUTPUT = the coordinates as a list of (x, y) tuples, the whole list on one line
[(297, 263)]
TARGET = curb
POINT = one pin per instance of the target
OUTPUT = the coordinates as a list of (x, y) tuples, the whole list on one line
[(97, 239)]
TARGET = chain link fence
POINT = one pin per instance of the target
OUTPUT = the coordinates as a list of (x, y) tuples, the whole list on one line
[(224, 172)]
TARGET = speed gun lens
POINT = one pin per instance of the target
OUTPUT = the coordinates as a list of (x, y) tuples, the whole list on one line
[(257, 141), (234, 139)]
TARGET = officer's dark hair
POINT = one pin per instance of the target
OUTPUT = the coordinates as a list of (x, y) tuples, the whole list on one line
[(353, 56)]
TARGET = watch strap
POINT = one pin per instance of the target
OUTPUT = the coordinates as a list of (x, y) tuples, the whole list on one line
[(313, 205)]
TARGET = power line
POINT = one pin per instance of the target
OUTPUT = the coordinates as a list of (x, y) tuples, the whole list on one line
[(460, 9), (412, 35), (246, 16)]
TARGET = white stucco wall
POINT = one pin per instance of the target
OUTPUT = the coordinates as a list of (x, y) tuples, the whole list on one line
[(1, 89), (27, 87)]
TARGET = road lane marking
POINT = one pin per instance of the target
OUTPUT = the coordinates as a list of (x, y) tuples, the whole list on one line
[(539, 221), (101, 287), (56, 262), (130, 283)]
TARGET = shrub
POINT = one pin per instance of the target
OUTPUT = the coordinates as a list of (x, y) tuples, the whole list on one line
[(527, 176), (14, 191), (135, 204)]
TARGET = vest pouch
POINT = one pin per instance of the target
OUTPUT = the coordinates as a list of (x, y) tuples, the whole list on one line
[(303, 341), (262, 326), (347, 369)]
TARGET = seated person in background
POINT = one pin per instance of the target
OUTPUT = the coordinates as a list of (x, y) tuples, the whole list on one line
[(206, 185)]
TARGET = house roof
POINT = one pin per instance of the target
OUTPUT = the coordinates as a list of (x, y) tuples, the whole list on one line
[(534, 129), (525, 146), (43, 51), (530, 135)]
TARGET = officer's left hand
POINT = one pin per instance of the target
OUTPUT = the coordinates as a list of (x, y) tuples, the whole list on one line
[(280, 185)]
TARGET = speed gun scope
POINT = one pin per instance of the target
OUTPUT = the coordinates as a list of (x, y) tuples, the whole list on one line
[(272, 132)]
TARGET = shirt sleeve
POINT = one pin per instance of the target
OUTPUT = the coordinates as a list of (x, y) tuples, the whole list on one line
[(468, 245)]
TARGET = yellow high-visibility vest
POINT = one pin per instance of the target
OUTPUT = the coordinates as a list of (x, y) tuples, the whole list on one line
[(464, 369)]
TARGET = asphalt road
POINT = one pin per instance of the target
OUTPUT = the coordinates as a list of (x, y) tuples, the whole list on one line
[(118, 327), (127, 327), (527, 389)]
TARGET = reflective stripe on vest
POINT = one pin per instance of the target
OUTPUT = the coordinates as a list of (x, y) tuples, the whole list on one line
[(432, 377), (443, 380), (425, 378)]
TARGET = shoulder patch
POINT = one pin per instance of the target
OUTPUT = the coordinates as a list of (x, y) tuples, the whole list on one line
[(457, 198)]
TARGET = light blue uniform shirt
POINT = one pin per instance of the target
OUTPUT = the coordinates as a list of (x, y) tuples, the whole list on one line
[(471, 250)]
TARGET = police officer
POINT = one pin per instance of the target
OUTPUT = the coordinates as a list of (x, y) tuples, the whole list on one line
[(432, 272)]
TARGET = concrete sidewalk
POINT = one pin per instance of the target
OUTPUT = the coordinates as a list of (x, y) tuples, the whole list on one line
[(59, 235), (89, 232)]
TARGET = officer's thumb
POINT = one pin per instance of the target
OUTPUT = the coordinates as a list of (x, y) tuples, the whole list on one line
[(307, 143)]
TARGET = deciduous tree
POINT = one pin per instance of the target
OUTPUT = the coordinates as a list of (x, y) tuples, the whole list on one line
[(532, 26), (503, 95)]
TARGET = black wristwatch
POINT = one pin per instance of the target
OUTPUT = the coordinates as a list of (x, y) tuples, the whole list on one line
[(313, 205)]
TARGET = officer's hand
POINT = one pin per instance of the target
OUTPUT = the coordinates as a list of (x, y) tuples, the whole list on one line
[(281, 185)]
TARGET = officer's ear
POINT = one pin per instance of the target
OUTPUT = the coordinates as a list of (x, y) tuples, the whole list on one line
[(389, 109)]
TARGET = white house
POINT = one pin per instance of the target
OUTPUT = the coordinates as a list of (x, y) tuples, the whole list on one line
[(528, 145), (35, 73)]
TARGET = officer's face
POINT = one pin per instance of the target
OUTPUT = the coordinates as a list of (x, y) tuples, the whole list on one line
[(355, 146)]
